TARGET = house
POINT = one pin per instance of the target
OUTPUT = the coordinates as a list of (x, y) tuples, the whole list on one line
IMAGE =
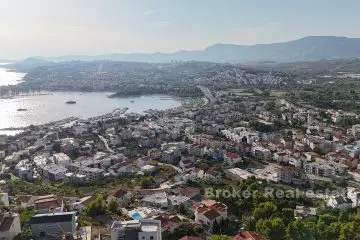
[(4, 199), (159, 200), (295, 162), (121, 195), (140, 162), (213, 176), (306, 213), (208, 212), (281, 157), (287, 141), (186, 164), (247, 235), (239, 174), (354, 195), (145, 229), (168, 222), (81, 204), (53, 225), (190, 192), (291, 175), (341, 202), (2, 155), (232, 158), (148, 169), (174, 201), (121, 169), (9, 225), (48, 204), (53, 172), (61, 159), (261, 153)]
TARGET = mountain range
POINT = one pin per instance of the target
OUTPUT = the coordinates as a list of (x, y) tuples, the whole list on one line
[(311, 48)]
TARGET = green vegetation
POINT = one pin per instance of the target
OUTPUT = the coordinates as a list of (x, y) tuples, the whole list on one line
[(274, 219), (147, 182), (96, 207), (188, 229)]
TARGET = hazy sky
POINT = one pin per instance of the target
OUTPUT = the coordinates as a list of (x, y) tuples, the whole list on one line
[(62, 27)]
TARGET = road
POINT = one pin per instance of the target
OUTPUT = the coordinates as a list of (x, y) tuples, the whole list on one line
[(207, 93), (179, 170), (106, 143)]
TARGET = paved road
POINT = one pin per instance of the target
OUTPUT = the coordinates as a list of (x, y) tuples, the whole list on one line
[(207, 93), (179, 170), (106, 143)]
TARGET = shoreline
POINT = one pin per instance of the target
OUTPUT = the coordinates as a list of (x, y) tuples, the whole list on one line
[(115, 112)]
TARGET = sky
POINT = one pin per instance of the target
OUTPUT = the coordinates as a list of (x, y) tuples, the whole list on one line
[(67, 27)]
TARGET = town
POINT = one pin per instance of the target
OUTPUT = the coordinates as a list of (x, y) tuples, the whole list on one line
[(148, 176)]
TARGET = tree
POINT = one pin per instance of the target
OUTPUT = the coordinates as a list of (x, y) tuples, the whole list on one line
[(219, 237), (350, 230), (96, 207), (25, 234), (250, 223), (146, 182), (272, 229), (216, 227), (112, 206), (188, 229), (300, 230), (288, 215), (265, 210)]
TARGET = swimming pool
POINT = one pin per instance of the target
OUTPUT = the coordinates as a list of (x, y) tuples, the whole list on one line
[(137, 216)]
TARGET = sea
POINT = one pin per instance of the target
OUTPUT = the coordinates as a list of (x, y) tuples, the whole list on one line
[(45, 107)]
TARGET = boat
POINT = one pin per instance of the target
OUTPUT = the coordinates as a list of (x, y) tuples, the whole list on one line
[(132, 101), (22, 109), (71, 102)]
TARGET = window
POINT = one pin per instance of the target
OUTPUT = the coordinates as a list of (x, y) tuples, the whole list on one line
[(42, 234), (151, 237)]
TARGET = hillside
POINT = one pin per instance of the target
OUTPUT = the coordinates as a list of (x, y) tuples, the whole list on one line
[(305, 49)]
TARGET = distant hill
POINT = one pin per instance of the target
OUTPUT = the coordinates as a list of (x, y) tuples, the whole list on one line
[(304, 49), (29, 63)]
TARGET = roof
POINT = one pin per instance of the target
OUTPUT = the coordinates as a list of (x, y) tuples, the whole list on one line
[(232, 155), (7, 221), (48, 202), (52, 218), (247, 235), (190, 238), (87, 200), (120, 193), (189, 191), (211, 214)]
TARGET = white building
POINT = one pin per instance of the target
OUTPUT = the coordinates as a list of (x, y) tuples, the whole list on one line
[(53, 172), (53, 225), (145, 229), (61, 159), (4, 199), (9, 225), (208, 212), (340, 202)]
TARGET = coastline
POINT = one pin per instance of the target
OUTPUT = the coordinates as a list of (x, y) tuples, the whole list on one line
[(116, 112)]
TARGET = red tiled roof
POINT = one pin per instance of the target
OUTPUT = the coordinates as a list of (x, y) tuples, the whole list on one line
[(247, 235), (232, 155), (49, 202)]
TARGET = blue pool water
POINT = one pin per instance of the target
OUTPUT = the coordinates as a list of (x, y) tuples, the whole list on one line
[(137, 216)]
